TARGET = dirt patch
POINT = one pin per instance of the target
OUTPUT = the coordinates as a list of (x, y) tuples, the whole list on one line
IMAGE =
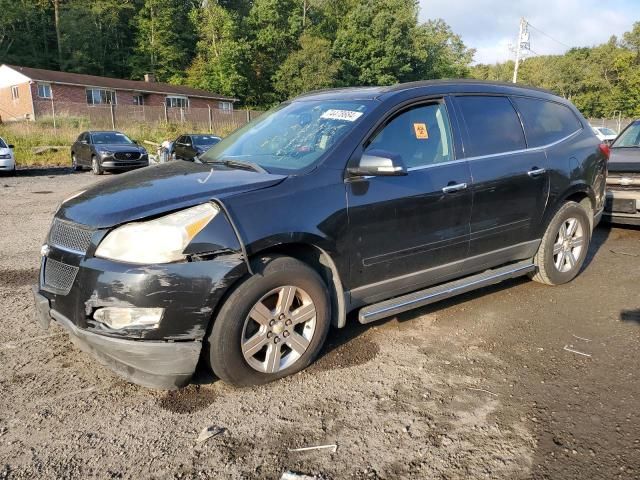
[(188, 400), (356, 351), (18, 277)]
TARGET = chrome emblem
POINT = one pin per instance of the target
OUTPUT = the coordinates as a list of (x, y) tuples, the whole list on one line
[(128, 155), (44, 250)]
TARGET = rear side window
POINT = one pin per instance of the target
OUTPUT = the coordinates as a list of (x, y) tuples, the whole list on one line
[(546, 122), (493, 125)]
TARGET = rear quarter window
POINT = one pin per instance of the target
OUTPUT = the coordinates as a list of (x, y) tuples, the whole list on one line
[(546, 122), (492, 123)]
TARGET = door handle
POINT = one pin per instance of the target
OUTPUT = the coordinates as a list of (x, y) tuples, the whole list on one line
[(536, 172), (454, 188)]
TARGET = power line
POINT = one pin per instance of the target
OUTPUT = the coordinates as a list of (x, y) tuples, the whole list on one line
[(549, 36)]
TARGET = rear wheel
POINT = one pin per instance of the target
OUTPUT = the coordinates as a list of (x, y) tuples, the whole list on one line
[(272, 325), (96, 168), (564, 245)]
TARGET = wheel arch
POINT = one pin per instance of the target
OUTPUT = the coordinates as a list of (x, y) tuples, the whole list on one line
[(320, 260), (582, 194)]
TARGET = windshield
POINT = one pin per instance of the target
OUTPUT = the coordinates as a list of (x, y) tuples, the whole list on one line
[(629, 138), (111, 138), (204, 140), (291, 136), (2, 144)]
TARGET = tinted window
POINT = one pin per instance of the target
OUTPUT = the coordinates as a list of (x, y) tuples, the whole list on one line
[(546, 122), (111, 138), (493, 125), (421, 136), (2, 144)]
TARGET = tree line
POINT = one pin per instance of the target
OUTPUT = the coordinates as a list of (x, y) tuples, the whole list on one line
[(261, 51), (602, 81)]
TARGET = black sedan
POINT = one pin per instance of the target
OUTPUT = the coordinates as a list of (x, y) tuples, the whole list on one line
[(107, 151), (189, 146)]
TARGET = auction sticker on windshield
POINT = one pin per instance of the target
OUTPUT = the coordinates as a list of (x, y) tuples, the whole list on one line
[(348, 115)]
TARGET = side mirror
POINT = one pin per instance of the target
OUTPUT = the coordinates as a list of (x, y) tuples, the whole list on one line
[(379, 163), (11, 146)]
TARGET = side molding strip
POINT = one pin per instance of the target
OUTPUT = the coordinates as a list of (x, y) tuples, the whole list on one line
[(443, 291)]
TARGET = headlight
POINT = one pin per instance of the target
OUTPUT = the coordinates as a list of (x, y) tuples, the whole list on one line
[(5, 156), (106, 153), (157, 241)]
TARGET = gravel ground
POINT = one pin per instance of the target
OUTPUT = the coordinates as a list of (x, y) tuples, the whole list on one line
[(480, 386)]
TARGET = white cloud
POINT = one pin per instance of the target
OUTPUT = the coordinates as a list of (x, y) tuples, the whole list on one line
[(490, 25)]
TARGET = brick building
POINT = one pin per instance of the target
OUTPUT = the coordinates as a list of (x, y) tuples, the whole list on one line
[(27, 93)]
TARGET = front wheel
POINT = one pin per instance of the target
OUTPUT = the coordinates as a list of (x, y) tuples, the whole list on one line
[(564, 245), (96, 168), (272, 325)]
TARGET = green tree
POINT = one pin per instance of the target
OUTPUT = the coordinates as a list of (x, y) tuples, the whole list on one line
[(440, 52), (165, 39), (220, 63), (309, 68)]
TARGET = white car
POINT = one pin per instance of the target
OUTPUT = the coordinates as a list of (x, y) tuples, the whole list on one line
[(7, 158), (605, 134)]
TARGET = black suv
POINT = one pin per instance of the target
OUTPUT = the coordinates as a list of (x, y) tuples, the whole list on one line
[(376, 199), (191, 146), (107, 151)]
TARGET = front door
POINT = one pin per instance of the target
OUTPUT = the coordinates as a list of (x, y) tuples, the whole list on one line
[(510, 182), (409, 231)]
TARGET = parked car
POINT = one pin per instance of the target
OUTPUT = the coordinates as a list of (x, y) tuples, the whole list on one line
[(605, 134), (107, 151), (190, 146), (623, 182), (7, 158), (376, 199)]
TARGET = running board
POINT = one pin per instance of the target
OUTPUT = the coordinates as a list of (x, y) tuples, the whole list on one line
[(443, 291)]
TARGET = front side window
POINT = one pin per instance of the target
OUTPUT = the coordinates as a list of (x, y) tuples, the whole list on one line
[(630, 138), (291, 136), (98, 96), (493, 125), (420, 136), (177, 102), (111, 138), (44, 90), (546, 122), (15, 93)]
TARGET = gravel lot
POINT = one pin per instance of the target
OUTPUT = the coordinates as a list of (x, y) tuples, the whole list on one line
[(480, 386)]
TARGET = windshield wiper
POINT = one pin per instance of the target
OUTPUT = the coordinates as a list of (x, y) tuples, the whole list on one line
[(238, 164)]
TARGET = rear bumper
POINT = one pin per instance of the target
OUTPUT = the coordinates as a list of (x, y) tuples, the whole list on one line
[(155, 364)]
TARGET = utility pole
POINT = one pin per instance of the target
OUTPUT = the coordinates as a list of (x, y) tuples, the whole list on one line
[(521, 44)]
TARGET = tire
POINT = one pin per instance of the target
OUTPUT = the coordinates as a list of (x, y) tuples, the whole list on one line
[(559, 261), (242, 351), (96, 168), (74, 163)]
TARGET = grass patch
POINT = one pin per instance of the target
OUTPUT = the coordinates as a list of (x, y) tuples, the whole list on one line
[(27, 136)]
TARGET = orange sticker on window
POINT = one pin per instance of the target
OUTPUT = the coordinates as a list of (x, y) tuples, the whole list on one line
[(421, 131)]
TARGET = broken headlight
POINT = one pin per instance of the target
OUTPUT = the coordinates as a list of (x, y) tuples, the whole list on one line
[(161, 240)]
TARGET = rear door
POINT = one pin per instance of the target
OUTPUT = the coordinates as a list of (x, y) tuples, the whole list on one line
[(409, 231), (510, 181)]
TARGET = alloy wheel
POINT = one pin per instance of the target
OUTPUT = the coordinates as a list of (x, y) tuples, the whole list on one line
[(278, 329), (568, 245)]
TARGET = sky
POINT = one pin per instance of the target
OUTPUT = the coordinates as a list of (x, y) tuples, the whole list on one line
[(490, 26)]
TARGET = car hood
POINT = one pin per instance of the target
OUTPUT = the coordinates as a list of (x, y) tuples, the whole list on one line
[(158, 189), (624, 160), (119, 147)]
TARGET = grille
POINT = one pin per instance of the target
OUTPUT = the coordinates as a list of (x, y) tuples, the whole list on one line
[(69, 236), (127, 155), (58, 277), (623, 181)]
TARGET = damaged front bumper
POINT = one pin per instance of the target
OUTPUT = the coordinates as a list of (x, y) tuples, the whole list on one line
[(163, 356), (622, 207), (155, 364)]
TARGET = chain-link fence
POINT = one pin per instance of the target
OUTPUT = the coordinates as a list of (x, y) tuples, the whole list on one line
[(121, 117), (615, 124)]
